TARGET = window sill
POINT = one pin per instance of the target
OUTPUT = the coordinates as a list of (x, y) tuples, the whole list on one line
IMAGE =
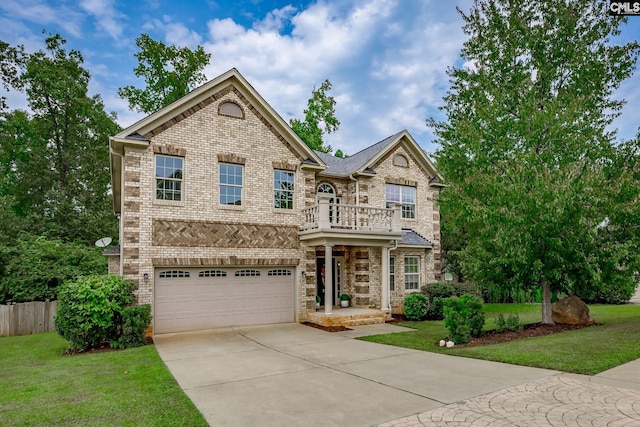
[(175, 203), (232, 207), (284, 211)]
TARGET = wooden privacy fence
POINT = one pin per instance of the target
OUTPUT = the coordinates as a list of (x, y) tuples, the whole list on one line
[(27, 318)]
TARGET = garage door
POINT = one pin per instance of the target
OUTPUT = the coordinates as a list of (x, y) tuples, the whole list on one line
[(189, 299)]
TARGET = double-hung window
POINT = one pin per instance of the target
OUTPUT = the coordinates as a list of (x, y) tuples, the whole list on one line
[(283, 186), (411, 273), (231, 178), (169, 178), (392, 273), (405, 195)]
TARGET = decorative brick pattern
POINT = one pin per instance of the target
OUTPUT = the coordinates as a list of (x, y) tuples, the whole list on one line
[(284, 165), (401, 181), (223, 235), (231, 158), (230, 261), (169, 150)]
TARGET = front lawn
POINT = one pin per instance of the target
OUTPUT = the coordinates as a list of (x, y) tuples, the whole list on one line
[(614, 341), (40, 386)]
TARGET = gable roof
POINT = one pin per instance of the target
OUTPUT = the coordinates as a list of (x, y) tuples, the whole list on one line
[(363, 162), (140, 133)]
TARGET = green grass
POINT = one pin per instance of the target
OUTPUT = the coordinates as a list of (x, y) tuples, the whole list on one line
[(614, 341), (41, 386)]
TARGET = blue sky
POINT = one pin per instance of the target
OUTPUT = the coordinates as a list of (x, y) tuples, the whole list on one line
[(386, 58)]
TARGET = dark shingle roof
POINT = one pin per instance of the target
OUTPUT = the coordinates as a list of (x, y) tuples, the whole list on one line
[(411, 238), (113, 250), (345, 167)]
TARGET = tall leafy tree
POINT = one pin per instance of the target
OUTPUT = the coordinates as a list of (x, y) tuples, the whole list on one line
[(528, 152), (170, 72), (319, 118), (56, 157)]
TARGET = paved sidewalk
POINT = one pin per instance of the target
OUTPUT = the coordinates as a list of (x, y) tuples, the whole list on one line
[(560, 400)]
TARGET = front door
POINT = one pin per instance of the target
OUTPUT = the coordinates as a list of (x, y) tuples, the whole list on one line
[(338, 278)]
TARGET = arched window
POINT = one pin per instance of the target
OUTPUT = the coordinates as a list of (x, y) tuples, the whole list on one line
[(400, 160), (325, 188), (232, 109)]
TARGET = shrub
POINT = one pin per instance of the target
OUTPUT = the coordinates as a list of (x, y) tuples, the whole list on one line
[(438, 290), (416, 306), (463, 317), (501, 323), (513, 322), (135, 320), (618, 289), (436, 309), (91, 311), (510, 323), (34, 268)]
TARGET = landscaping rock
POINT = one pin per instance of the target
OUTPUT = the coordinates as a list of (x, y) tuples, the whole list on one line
[(571, 311)]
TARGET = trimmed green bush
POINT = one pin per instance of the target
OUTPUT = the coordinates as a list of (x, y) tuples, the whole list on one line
[(91, 311), (463, 317), (436, 309), (438, 290), (135, 320), (416, 306), (510, 323)]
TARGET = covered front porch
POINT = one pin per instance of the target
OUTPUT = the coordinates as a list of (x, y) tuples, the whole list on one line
[(350, 254), (350, 316)]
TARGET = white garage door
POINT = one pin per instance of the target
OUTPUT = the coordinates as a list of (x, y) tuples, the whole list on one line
[(189, 299)]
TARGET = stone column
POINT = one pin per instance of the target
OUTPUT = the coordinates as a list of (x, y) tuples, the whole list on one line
[(384, 303), (328, 280)]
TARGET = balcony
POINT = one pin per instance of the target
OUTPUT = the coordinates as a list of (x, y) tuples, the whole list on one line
[(334, 222)]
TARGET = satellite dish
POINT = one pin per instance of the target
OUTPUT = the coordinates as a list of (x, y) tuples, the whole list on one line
[(103, 242)]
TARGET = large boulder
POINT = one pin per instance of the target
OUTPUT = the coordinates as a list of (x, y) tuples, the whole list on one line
[(571, 311)]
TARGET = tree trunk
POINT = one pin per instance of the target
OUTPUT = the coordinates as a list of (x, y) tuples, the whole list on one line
[(546, 304)]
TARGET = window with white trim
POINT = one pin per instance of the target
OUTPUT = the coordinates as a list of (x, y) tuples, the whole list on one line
[(212, 273), (169, 178), (247, 273), (392, 273), (231, 178), (173, 274), (411, 273), (403, 194), (283, 186), (279, 272)]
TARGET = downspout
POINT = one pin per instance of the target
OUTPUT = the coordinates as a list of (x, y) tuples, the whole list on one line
[(395, 246)]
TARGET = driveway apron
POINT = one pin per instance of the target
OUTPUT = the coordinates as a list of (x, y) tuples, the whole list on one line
[(294, 375)]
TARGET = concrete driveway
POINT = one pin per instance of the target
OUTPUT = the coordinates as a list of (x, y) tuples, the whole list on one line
[(295, 375)]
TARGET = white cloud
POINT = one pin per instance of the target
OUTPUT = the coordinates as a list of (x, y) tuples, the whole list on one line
[(42, 13), (108, 19), (175, 33)]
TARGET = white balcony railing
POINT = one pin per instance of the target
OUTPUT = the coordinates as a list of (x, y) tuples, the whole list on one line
[(337, 216)]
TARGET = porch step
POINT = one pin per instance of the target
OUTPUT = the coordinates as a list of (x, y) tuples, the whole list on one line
[(348, 317)]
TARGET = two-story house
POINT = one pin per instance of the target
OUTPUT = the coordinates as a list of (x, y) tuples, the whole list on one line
[(228, 218)]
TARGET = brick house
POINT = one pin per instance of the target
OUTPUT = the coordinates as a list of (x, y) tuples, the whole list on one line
[(228, 218)]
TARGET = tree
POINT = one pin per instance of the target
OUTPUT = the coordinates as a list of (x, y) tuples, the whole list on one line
[(169, 71), (56, 157), (527, 150), (320, 110)]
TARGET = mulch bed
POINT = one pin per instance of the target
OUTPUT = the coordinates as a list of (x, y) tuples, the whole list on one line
[(529, 331), (328, 328), (493, 337)]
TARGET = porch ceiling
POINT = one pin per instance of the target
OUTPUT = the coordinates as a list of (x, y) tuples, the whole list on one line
[(336, 237)]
